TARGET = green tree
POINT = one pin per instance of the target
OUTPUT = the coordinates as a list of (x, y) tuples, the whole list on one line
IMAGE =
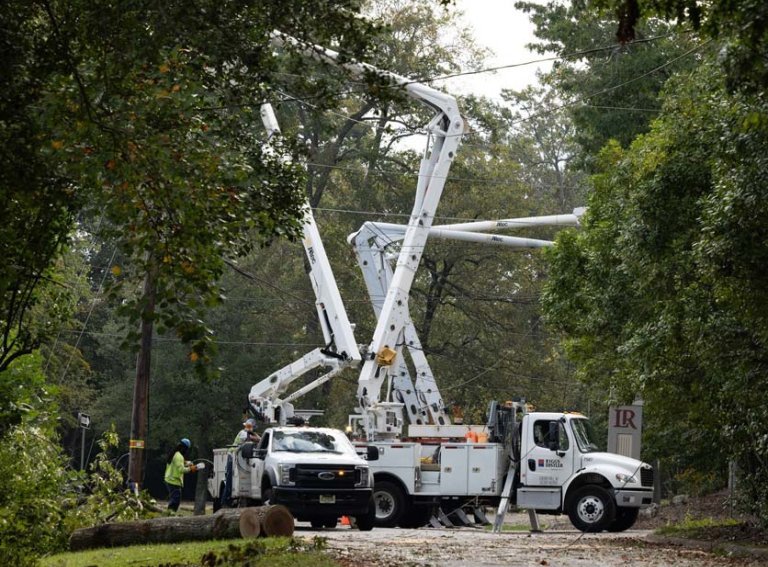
[(740, 27), (661, 292), (610, 91), (145, 117), (33, 478)]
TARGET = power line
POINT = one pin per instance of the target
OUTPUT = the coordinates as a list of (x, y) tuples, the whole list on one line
[(564, 56), (615, 87)]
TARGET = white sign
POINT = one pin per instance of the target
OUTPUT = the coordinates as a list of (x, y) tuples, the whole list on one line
[(84, 419), (625, 425)]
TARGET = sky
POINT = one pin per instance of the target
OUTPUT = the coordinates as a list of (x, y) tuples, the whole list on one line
[(505, 30)]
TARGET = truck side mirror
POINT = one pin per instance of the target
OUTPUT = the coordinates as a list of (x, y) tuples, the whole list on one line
[(372, 453), (553, 437)]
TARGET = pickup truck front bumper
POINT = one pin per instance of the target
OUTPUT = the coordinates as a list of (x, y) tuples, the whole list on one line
[(633, 498), (309, 503)]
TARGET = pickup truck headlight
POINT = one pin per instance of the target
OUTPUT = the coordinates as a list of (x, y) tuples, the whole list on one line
[(364, 475), (626, 478), (287, 475)]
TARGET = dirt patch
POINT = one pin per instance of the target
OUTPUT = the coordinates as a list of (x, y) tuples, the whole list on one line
[(694, 513)]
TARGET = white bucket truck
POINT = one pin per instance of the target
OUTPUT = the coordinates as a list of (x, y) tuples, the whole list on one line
[(542, 462)]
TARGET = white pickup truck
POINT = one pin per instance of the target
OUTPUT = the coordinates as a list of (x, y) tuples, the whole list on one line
[(314, 471)]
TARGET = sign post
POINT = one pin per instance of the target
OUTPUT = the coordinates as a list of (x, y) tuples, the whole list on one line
[(84, 421)]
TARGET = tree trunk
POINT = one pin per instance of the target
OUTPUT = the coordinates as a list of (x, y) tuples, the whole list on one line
[(225, 524)]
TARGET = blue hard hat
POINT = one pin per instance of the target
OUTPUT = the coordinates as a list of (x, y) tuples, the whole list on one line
[(186, 442)]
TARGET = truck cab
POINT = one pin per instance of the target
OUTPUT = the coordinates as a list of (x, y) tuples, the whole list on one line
[(314, 471), (561, 469)]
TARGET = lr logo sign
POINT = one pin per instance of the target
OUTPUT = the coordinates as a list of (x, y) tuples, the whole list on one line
[(624, 418), (625, 424)]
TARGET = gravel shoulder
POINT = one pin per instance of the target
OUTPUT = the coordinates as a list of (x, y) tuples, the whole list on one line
[(560, 544), (390, 547)]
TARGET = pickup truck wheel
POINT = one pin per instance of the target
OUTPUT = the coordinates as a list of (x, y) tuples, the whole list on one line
[(591, 508), (625, 519), (366, 522), (389, 503)]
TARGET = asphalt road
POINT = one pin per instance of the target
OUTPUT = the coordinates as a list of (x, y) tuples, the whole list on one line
[(557, 546)]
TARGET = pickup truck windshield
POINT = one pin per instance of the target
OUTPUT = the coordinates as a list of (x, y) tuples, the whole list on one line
[(304, 441), (585, 435)]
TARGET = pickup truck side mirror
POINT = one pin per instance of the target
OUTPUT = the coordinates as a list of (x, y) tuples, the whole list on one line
[(553, 437), (373, 453)]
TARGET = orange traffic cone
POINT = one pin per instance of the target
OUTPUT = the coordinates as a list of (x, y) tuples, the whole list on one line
[(345, 520)]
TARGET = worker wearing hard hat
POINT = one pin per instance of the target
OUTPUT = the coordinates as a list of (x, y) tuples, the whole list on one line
[(176, 466), (247, 433)]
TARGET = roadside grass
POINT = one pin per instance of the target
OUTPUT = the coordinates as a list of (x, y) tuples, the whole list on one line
[(268, 552), (696, 528)]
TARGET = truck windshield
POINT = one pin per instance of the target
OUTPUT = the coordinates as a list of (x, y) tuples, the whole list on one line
[(301, 441), (585, 435)]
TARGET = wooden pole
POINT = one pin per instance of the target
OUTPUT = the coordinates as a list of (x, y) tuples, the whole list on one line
[(139, 417)]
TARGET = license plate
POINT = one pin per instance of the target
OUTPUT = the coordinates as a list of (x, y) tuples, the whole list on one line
[(327, 499)]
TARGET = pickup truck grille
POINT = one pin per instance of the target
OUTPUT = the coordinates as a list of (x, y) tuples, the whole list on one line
[(646, 476), (326, 476)]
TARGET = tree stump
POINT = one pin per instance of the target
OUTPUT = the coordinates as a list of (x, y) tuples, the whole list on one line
[(225, 524)]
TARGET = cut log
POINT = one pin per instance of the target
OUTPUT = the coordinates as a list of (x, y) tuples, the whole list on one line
[(224, 524), (274, 520), (250, 523)]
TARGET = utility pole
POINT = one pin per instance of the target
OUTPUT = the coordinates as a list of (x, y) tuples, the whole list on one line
[(139, 418)]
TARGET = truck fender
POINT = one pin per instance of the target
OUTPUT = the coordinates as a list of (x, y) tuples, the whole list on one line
[(582, 477), (269, 476), (389, 477)]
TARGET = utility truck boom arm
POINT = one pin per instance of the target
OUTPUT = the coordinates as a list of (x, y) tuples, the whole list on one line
[(340, 351), (374, 244)]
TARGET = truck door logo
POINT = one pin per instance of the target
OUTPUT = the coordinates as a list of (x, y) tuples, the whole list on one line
[(325, 475)]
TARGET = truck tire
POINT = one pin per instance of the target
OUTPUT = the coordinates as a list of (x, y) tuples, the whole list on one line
[(591, 508), (625, 519), (389, 503), (366, 522)]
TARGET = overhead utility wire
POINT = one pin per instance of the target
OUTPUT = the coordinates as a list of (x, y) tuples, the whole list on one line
[(565, 56), (478, 180), (614, 87), (531, 116)]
